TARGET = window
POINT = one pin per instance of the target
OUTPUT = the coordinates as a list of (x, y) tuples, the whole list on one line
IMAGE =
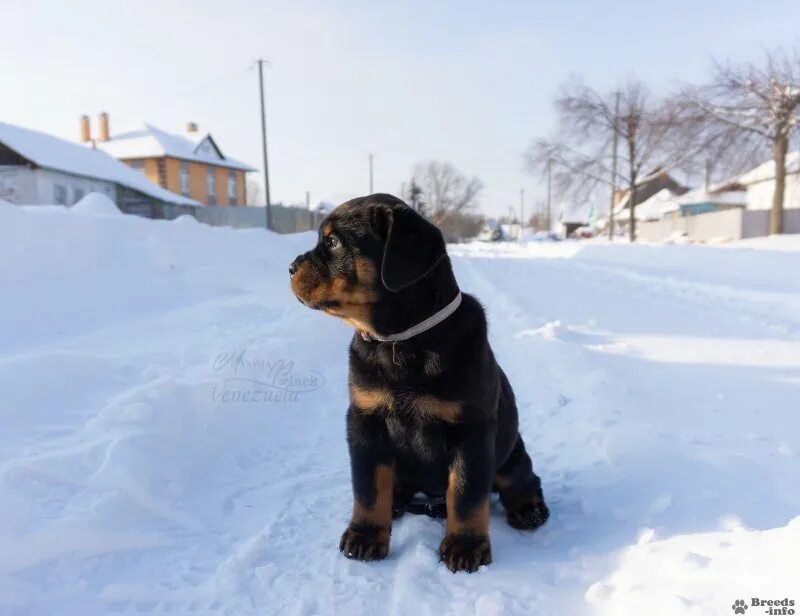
[(211, 184), (184, 179), (232, 187), (138, 165), (59, 194), (77, 194)]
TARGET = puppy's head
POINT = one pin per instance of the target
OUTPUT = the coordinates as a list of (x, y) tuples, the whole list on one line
[(369, 252)]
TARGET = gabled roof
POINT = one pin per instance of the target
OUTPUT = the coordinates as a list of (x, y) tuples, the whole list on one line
[(61, 155), (654, 175), (149, 142)]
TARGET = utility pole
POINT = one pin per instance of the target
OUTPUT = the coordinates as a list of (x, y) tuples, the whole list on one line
[(521, 212), (549, 191), (264, 139), (370, 174), (614, 169)]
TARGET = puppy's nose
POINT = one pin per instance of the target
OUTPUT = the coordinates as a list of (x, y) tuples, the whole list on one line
[(295, 265)]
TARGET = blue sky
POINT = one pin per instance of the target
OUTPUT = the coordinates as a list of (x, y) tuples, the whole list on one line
[(467, 82)]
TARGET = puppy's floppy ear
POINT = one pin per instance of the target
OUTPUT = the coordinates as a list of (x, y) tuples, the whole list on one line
[(413, 248)]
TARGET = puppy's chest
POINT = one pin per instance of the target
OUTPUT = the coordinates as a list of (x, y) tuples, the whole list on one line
[(414, 390), (416, 396), (419, 401)]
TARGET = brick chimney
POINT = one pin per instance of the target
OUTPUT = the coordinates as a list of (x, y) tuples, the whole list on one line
[(103, 131), (86, 129), (192, 127)]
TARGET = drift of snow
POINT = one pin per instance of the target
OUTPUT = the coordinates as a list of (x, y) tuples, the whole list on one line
[(173, 428), (96, 204)]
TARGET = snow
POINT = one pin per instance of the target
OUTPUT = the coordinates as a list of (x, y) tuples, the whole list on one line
[(789, 242), (148, 141), (61, 155), (723, 563), (96, 204), (152, 462), (656, 206), (766, 171)]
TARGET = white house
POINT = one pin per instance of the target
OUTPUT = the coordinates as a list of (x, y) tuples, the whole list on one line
[(760, 184), (37, 169)]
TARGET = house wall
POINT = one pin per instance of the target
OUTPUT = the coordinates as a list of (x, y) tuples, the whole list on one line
[(759, 195), (726, 225), (222, 185), (198, 189), (197, 182), (37, 186), (18, 184), (723, 225), (173, 171), (241, 193), (47, 180)]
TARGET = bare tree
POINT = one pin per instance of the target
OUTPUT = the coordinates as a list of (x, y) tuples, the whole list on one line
[(413, 195), (582, 156), (253, 193), (754, 108), (444, 189)]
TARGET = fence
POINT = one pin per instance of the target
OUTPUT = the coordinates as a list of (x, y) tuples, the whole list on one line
[(726, 225), (283, 219)]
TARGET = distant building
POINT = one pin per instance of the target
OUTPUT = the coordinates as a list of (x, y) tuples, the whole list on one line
[(759, 183), (666, 203), (39, 169), (191, 164), (653, 183), (491, 231)]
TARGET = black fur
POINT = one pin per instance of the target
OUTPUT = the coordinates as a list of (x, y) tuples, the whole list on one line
[(480, 447)]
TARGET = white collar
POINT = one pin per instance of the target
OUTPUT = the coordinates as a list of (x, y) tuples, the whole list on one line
[(423, 326)]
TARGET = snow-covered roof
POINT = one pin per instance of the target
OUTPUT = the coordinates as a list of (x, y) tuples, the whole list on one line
[(665, 201), (700, 195), (656, 206), (62, 155), (766, 171), (148, 141)]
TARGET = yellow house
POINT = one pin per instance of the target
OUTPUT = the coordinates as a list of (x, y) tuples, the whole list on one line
[(190, 164)]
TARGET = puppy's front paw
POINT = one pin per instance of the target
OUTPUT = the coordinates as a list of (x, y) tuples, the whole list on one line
[(365, 542), (465, 552), (528, 516)]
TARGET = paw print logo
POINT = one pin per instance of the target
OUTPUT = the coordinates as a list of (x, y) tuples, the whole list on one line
[(739, 607)]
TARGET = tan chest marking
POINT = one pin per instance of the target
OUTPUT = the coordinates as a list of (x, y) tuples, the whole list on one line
[(369, 400), (431, 406), (372, 399)]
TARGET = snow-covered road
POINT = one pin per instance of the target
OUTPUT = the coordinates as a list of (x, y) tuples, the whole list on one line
[(173, 428)]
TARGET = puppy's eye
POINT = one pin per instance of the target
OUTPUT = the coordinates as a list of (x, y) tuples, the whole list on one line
[(332, 241)]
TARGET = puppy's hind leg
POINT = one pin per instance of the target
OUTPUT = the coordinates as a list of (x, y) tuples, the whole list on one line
[(521, 490)]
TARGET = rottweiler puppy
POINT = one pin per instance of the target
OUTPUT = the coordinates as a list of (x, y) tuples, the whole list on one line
[(430, 410)]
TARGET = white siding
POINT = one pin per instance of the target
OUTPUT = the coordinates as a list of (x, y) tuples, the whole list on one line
[(18, 184), (759, 194), (47, 181)]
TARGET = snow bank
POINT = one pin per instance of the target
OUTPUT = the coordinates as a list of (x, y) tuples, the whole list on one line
[(790, 242), (96, 204), (703, 573), (151, 461)]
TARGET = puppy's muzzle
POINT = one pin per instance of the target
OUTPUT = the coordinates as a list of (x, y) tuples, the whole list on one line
[(295, 265)]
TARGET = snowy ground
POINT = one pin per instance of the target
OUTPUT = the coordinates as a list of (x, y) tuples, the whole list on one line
[(153, 461)]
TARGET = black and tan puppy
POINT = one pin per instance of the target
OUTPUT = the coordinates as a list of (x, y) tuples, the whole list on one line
[(430, 409)]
